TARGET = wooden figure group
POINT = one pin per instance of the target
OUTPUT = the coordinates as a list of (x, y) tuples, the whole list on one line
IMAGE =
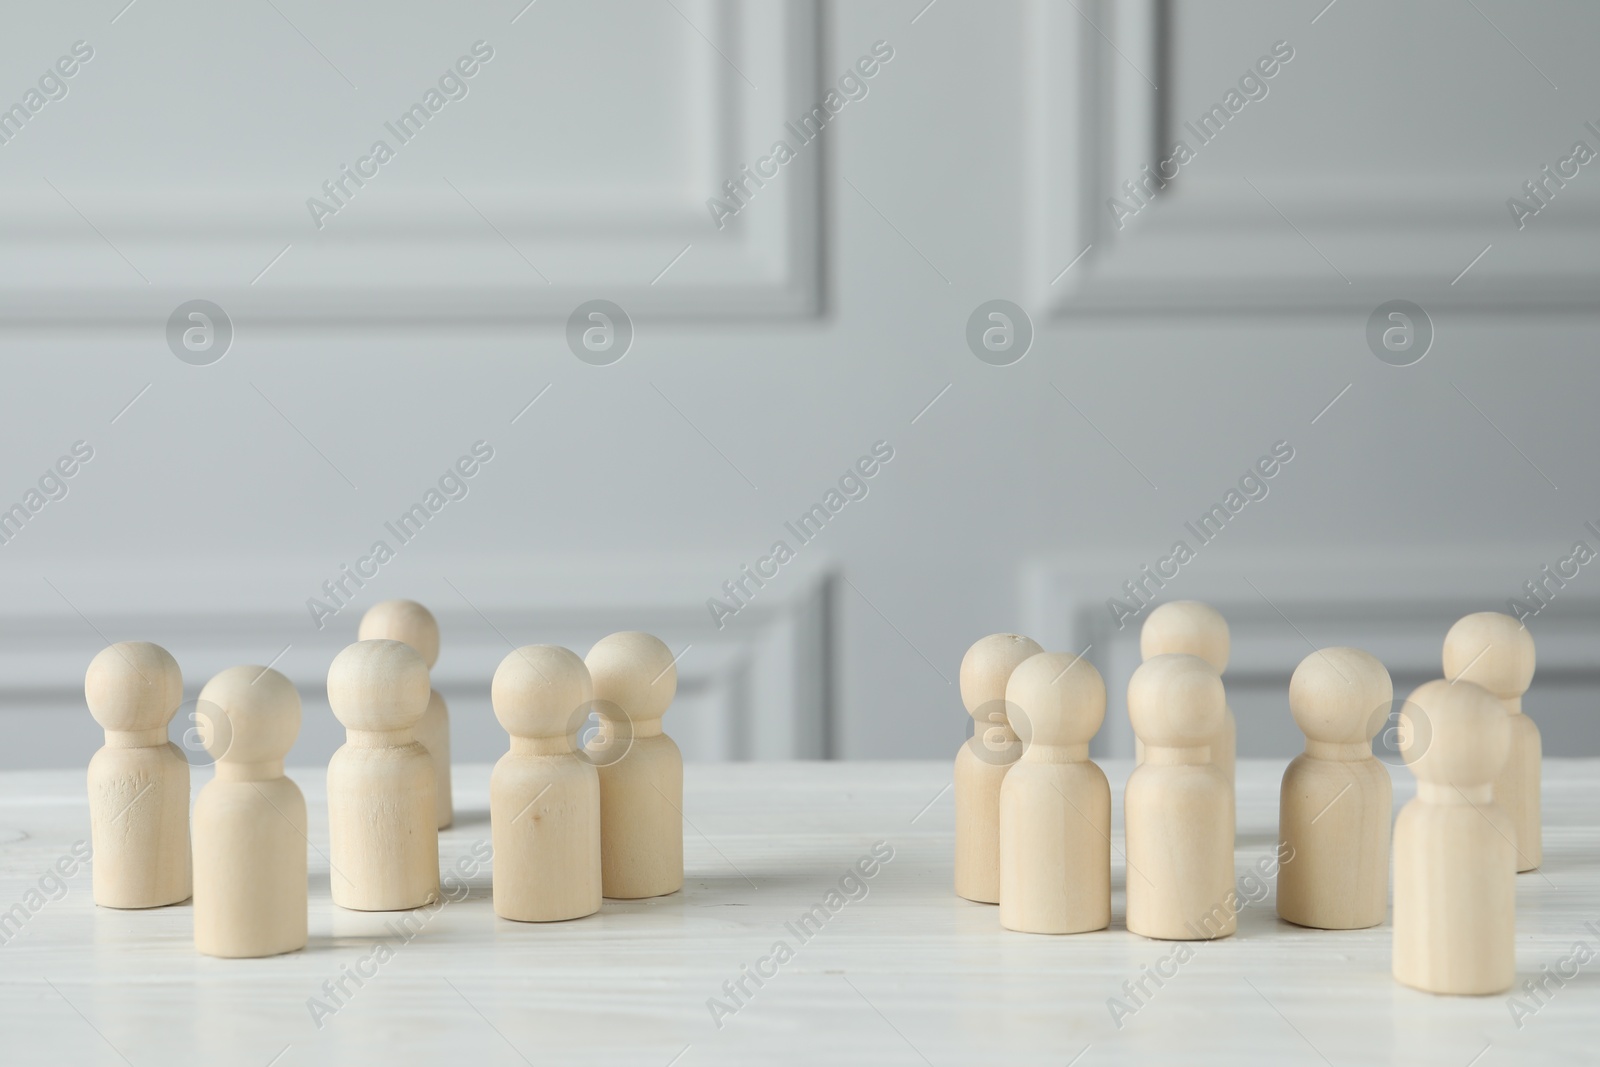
[(411, 623), (571, 825), (1033, 812), (568, 825)]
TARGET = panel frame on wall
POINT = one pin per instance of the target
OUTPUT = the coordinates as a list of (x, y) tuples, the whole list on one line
[(427, 257), (1338, 244)]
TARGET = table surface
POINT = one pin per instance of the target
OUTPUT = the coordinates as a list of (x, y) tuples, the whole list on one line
[(905, 974)]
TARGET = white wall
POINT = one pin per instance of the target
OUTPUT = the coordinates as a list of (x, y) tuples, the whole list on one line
[(776, 351)]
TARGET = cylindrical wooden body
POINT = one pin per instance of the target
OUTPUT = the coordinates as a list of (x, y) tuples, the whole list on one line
[(139, 825), (1455, 895), (433, 733), (1055, 846), (249, 868), (1333, 833), (545, 821), (383, 833), (977, 789), (641, 819), (1178, 819), (1516, 789)]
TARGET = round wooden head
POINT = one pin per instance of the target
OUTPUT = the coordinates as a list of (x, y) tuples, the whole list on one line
[(634, 672), (1186, 626), (1176, 701), (133, 686), (403, 620), (1056, 698), (1493, 650), (378, 685), (1454, 733), (248, 715), (541, 691), (985, 670), (1340, 696)]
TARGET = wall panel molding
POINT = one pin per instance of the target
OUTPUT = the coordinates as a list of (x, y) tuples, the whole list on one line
[(450, 249), (1357, 238)]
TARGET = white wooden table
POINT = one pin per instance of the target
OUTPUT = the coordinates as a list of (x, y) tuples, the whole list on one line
[(906, 974)]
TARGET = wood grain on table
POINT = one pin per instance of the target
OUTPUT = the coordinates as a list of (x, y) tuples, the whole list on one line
[(886, 967)]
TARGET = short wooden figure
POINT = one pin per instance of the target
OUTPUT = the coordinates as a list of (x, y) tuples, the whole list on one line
[(383, 831), (250, 820), (408, 621), (641, 769), (1455, 864), (1178, 809), (983, 761), (1336, 800), (1055, 804), (1496, 652), (1199, 630), (544, 799), (138, 782)]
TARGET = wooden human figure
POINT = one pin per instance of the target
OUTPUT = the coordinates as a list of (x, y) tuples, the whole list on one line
[(383, 832), (408, 621), (139, 781), (250, 820), (641, 769), (1496, 652), (1055, 804), (1455, 864), (1336, 800), (1199, 630), (983, 761), (1178, 809), (544, 799)]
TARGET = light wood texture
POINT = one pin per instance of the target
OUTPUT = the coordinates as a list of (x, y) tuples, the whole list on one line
[(1179, 810), (408, 621), (544, 798), (983, 761), (382, 818), (250, 820), (139, 781), (1496, 651), (1455, 865), (1336, 801), (641, 769), (1055, 804), (1188, 626), (629, 986)]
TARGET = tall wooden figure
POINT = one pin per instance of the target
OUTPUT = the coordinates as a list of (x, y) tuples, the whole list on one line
[(544, 799), (1336, 800), (138, 782), (1197, 629), (983, 761), (1055, 804), (641, 769), (1177, 811), (383, 833), (250, 820), (1455, 867), (408, 621), (1496, 652)]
